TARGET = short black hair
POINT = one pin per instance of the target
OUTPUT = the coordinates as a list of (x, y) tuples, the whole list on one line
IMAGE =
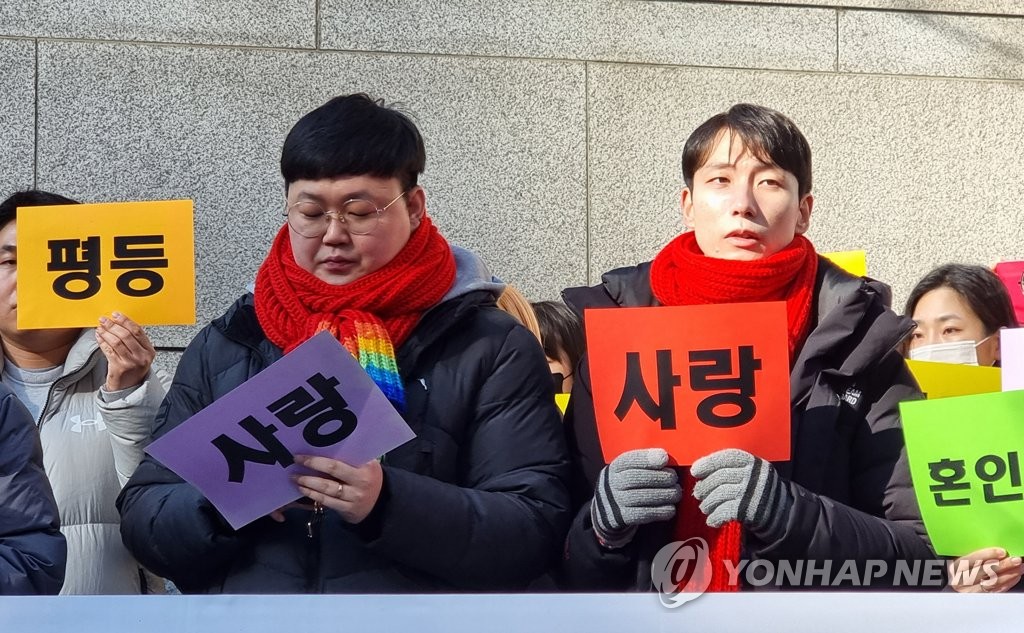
[(29, 198), (353, 135), (768, 135), (981, 288), (561, 330)]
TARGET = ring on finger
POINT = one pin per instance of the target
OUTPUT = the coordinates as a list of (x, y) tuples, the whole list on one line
[(341, 489)]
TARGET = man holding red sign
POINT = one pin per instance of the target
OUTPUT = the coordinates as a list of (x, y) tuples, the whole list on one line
[(845, 492)]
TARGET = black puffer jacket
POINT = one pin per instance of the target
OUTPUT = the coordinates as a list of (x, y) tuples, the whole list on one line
[(477, 501), (33, 552), (851, 486)]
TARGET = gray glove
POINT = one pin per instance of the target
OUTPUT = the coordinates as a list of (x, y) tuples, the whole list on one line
[(735, 485), (634, 489)]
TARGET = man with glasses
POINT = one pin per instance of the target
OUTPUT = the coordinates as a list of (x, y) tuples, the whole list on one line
[(478, 500)]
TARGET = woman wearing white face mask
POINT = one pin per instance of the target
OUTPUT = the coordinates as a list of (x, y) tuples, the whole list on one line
[(959, 310)]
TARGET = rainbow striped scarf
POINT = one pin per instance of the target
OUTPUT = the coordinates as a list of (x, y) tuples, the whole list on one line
[(366, 338)]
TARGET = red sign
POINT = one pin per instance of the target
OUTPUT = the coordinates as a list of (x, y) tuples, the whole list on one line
[(691, 379)]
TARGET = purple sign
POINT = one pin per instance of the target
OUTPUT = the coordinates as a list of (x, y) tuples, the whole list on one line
[(316, 400)]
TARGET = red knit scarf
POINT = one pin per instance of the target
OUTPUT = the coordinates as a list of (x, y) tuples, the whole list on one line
[(292, 304), (682, 275)]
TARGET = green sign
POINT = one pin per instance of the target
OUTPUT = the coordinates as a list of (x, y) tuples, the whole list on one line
[(965, 460)]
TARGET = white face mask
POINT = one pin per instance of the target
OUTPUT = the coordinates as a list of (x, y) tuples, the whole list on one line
[(958, 352)]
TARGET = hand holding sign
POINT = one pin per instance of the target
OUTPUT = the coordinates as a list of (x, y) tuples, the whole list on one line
[(240, 451), (350, 491), (634, 489), (999, 572), (128, 350), (736, 486)]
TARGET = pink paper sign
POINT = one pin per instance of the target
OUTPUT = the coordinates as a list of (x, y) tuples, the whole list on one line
[(316, 400), (1011, 353)]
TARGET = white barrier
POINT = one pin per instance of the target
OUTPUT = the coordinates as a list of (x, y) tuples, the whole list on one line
[(762, 612)]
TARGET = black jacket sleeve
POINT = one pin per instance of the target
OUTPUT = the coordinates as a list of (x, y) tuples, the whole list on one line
[(504, 523), (881, 519), (33, 552)]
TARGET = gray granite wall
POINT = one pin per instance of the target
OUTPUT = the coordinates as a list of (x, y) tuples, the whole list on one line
[(553, 128)]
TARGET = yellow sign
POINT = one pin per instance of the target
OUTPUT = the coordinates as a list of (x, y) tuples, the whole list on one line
[(853, 262), (562, 400), (945, 380), (78, 263)]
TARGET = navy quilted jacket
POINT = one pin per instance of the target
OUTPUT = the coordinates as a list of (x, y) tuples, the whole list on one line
[(477, 501), (853, 498)]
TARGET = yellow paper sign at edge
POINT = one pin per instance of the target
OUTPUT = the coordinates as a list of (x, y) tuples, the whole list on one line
[(562, 400), (946, 380), (853, 262), (39, 305)]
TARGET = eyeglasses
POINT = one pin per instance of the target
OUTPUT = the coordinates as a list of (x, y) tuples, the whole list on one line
[(360, 216)]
